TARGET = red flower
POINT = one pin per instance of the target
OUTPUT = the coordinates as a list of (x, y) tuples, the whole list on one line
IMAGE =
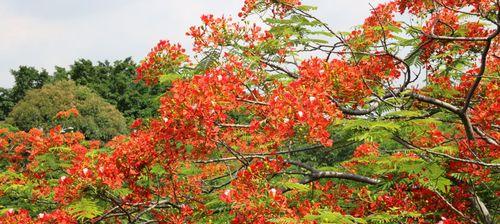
[(366, 149)]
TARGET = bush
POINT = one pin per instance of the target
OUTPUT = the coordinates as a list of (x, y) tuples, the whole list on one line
[(98, 119), (9, 127)]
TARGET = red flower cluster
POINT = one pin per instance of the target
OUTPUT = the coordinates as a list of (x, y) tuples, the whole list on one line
[(252, 184), (22, 216), (366, 149), (163, 59), (278, 8), (73, 112)]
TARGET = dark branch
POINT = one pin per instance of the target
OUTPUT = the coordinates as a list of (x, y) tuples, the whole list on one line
[(289, 73), (463, 116), (316, 175), (482, 68)]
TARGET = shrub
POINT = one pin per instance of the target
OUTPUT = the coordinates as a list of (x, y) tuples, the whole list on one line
[(98, 119)]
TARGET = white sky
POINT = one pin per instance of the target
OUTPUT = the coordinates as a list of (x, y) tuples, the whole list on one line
[(45, 33)]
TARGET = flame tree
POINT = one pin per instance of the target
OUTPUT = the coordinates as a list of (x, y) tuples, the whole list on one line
[(277, 118)]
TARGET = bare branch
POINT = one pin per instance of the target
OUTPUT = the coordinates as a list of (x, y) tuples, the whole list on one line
[(236, 154), (289, 73), (253, 102), (263, 155), (449, 38), (482, 68), (232, 125), (356, 112)]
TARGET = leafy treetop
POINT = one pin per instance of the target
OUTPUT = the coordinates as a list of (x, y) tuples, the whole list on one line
[(113, 81), (39, 109)]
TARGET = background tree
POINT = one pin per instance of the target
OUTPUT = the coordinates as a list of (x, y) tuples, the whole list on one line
[(115, 82), (26, 78), (6, 103), (98, 119)]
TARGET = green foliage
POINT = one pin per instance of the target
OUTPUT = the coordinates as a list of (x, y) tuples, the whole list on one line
[(404, 114), (400, 217), (283, 220), (366, 130), (189, 170), (379, 218), (8, 126), (19, 195), (121, 192), (296, 186), (430, 175), (209, 60), (26, 78), (112, 81), (98, 119), (334, 217), (115, 82), (51, 165), (6, 102), (85, 209), (169, 78)]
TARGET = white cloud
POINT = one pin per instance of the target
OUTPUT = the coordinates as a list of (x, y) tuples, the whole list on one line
[(45, 33)]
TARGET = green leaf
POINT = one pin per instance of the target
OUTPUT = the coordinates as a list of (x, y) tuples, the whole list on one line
[(413, 57), (85, 209), (322, 33), (442, 184), (405, 114), (122, 192), (50, 162), (445, 149), (158, 170), (283, 220), (307, 7), (296, 186), (334, 217), (191, 170), (168, 78), (393, 28), (318, 41), (391, 218)]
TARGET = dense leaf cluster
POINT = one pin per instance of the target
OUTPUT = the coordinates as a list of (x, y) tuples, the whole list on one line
[(112, 81), (39, 109)]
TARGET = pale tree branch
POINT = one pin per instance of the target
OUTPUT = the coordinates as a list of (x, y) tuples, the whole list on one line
[(444, 155)]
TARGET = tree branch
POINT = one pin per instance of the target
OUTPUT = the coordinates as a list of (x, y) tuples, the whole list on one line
[(463, 116), (410, 146), (289, 73), (316, 174), (482, 68)]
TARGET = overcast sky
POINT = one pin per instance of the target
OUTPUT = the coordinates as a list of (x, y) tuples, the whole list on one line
[(45, 33)]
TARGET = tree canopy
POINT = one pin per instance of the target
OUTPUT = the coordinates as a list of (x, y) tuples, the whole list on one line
[(38, 109), (288, 121), (26, 78), (112, 81), (115, 83)]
